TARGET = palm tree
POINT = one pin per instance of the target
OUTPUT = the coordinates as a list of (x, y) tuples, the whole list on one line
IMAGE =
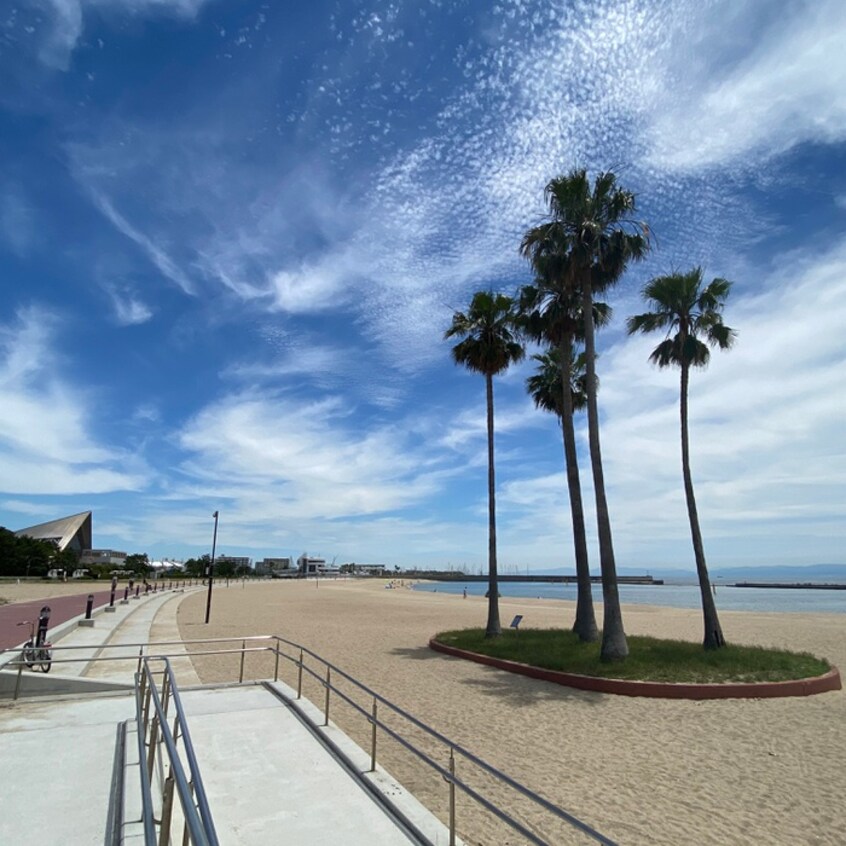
[(595, 230), (691, 316), (488, 346), (550, 394), (550, 312)]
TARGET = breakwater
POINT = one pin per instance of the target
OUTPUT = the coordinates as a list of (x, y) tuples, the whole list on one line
[(559, 580), (790, 585)]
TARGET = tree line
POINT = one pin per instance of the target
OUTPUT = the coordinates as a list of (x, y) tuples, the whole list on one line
[(580, 251), (24, 556)]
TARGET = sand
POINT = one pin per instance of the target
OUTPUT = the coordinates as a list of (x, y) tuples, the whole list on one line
[(642, 771)]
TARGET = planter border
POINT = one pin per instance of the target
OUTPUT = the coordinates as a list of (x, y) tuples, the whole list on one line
[(656, 690)]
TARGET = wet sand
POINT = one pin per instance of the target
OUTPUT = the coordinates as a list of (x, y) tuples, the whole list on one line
[(641, 771)]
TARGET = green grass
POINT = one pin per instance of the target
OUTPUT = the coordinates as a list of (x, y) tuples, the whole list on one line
[(650, 659)]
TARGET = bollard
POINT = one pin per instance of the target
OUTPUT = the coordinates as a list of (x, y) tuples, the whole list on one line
[(111, 605), (137, 591), (88, 623), (43, 623)]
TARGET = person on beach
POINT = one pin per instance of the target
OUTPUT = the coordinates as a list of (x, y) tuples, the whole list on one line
[(465, 593)]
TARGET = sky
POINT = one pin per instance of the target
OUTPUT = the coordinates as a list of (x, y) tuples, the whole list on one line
[(232, 235)]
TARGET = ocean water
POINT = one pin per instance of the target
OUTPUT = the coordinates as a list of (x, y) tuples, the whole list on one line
[(674, 595)]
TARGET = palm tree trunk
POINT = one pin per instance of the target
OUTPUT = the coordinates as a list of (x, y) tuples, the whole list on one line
[(493, 629), (585, 624), (713, 632), (614, 644)]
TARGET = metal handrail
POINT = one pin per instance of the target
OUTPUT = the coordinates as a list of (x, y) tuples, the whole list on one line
[(198, 818), (146, 791), (455, 749)]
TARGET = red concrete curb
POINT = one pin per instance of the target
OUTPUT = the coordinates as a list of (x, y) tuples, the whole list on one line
[(656, 690)]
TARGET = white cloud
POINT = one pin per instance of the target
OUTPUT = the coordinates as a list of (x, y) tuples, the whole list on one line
[(308, 457), (166, 265), (129, 311), (786, 89), (764, 418), (308, 289), (45, 446)]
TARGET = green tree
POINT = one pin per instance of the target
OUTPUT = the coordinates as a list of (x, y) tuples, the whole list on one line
[(224, 569), (138, 562), (24, 556), (488, 346), (197, 566), (546, 389), (593, 230), (691, 316)]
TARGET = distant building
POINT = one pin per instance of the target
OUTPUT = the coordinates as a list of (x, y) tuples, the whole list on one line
[(310, 566), (235, 560), (274, 566), (72, 532), (107, 557), (368, 569)]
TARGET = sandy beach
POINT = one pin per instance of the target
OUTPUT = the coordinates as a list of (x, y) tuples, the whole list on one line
[(642, 771)]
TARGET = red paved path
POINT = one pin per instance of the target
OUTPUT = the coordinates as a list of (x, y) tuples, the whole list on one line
[(62, 608)]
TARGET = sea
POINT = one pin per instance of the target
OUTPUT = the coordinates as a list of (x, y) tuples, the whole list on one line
[(728, 597)]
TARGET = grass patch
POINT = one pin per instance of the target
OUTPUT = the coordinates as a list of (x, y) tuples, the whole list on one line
[(650, 658)]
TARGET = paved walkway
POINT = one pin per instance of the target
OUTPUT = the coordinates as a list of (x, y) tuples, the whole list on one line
[(268, 777)]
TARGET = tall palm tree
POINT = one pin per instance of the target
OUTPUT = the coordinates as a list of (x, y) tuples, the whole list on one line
[(548, 392), (550, 312), (595, 228), (488, 346), (691, 316)]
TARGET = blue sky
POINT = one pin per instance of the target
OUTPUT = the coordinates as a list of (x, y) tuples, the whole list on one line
[(232, 235)]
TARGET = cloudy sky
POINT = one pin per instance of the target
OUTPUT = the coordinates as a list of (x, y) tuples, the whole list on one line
[(232, 235)]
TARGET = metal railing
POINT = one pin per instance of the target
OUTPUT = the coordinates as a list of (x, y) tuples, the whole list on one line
[(154, 731), (277, 645)]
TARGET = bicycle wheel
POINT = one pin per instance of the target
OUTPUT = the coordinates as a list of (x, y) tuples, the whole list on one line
[(45, 659), (28, 654)]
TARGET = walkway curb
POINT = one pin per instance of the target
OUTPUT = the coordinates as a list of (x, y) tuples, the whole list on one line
[(655, 690)]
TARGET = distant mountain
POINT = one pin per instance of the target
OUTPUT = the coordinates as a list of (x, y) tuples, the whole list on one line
[(785, 573), (808, 573)]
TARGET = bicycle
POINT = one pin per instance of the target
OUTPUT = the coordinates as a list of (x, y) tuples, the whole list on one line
[(38, 650)]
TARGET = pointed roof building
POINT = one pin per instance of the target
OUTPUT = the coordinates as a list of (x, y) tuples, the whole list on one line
[(72, 532)]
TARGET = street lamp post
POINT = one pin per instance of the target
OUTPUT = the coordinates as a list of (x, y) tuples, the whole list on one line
[(211, 568)]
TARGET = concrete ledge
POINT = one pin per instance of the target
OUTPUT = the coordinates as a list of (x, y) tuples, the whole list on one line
[(656, 690), (51, 684)]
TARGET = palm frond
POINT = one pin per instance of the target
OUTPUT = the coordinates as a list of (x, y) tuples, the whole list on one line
[(681, 305)]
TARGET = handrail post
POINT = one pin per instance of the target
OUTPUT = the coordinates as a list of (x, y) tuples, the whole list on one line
[(140, 656), (167, 811), (151, 755), (452, 798), (243, 656), (147, 695), (300, 677), (373, 738), (276, 667), (326, 710), (165, 691), (175, 731), (20, 673), (185, 826)]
